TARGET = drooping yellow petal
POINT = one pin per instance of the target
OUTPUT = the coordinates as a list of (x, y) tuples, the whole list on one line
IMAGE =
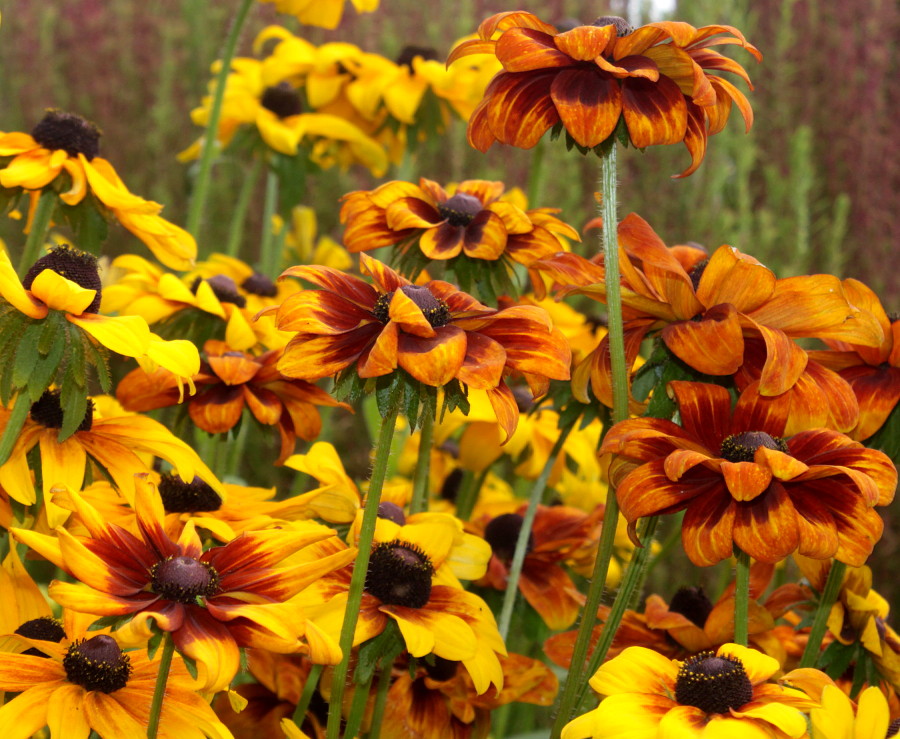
[(12, 291), (125, 335)]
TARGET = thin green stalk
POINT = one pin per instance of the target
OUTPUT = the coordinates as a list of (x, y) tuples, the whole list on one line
[(37, 235), (820, 622), (210, 135), (384, 683), (634, 578), (358, 579), (239, 215), (269, 261), (235, 450), (515, 569), (309, 690), (468, 492), (419, 501), (741, 597), (361, 693), (162, 677)]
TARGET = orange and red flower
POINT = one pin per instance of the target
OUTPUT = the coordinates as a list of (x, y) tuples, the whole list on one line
[(740, 483), (434, 332), (586, 79)]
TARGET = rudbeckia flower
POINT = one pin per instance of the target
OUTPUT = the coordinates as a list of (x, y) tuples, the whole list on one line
[(321, 13), (91, 684), (872, 371), (66, 143), (211, 602), (741, 483), (721, 693), (116, 441), (655, 78), (434, 332)]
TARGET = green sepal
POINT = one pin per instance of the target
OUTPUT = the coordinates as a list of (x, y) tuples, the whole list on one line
[(154, 643), (387, 645), (45, 370), (456, 395), (73, 396), (191, 664), (349, 387), (388, 389), (110, 622)]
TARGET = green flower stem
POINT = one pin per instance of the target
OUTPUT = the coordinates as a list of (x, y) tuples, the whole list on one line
[(165, 663), (37, 235), (269, 260), (820, 622), (384, 683), (239, 215), (741, 597), (515, 569), (634, 578), (361, 692), (210, 135), (358, 579), (468, 492), (14, 425), (309, 689), (419, 501)]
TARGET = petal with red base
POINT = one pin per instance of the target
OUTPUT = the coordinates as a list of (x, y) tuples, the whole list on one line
[(528, 49), (521, 109), (766, 528), (433, 361), (714, 345), (589, 105), (707, 530), (655, 112)]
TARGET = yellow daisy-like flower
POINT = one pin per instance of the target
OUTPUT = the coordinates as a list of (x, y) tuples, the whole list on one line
[(66, 144), (321, 13), (721, 694)]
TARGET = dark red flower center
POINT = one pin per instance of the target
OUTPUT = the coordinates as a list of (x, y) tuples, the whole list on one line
[(461, 209), (524, 398), (451, 484), (742, 447), (73, 264), (441, 669), (282, 99), (392, 512), (223, 288), (44, 628), (97, 664), (697, 272), (48, 412), (623, 27), (399, 574), (408, 53), (184, 579), (195, 496), (713, 684), (67, 131), (259, 284), (436, 311), (502, 533), (693, 604)]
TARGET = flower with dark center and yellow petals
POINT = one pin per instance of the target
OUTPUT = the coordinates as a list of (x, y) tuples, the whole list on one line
[(73, 264), (282, 99), (223, 288), (742, 447), (259, 284), (195, 496), (392, 512), (97, 664), (713, 684), (693, 604), (399, 574), (69, 132), (502, 533), (45, 628)]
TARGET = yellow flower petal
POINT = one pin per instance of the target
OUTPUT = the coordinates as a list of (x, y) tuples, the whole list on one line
[(12, 291), (125, 335)]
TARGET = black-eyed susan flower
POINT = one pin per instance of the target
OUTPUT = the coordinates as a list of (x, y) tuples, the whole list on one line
[(741, 483), (322, 13), (655, 78), (92, 684), (212, 602), (721, 693), (434, 332), (66, 144)]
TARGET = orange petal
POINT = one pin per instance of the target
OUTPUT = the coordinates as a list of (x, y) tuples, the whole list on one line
[(735, 278), (585, 43), (433, 361), (382, 358), (713, 346), (588, 104), (217, 410), (484, 362), (707, 528), (521, 109), (655, 112), (321, 312), (443, 242), (745, 480), (766, 528), (310, 358), (485, 237), (505, 408), (408, 316), (527, 49)]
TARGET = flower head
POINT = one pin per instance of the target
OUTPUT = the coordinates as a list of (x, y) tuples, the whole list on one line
[(655, 78), (321, 13)]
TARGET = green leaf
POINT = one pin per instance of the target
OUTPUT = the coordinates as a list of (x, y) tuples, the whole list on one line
[(111, 622), (154, 643), (98, 356), (27, 354), (836, 658), (73, 400), (887, 438), (191, 665), (388, 644), (44, 370)]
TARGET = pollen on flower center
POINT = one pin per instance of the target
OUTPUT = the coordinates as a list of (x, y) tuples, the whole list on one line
[(893, 728), (48, 412), (391, 512), (73, 264), (410, 52), (69, 132), (461, 209), (697, 272), (713, 684), (45, 628), (282, 99), (184, 579), (742, 447), (223, 288), (195, 496), (693, 604), (623, 27), (259, 284), (399, 574), (502, 533), (97, 664), (436, 311)]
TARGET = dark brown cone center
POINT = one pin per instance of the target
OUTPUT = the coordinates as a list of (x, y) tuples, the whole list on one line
[(623, 27), (97, 664), (713, 684), (73, 264), (47, 411), (697, 272), (259, 284), (45, 628), (502, 533), (195, 496), (223, 288), (436, 311), (742, 447), (451, 485), (693, 604), (461, 209), (184, 579), (282, 99), (893, 728), (69, 132), (410, 52), (399, 574), (441, 669), (392, 512)]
